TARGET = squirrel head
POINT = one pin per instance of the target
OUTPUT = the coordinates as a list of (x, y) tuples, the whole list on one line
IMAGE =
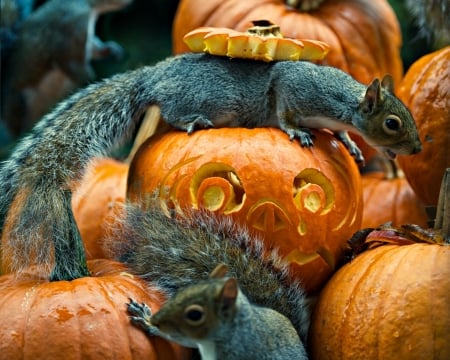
[(195, 311), (387, 123)]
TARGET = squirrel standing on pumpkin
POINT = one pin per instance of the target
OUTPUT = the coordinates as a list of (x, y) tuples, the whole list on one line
[(56, 39), (265, 317), (192, 91)]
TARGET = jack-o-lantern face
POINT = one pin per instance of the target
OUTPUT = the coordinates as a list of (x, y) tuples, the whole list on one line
[(304, 202)]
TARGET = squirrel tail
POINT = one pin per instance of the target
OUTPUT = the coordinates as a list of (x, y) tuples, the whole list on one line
[(172, 252), (35, 201)]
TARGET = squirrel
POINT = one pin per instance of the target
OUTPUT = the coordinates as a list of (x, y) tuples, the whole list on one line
[(432, 18), (217, 317), (265, 317), (192, 91), (58, 37)]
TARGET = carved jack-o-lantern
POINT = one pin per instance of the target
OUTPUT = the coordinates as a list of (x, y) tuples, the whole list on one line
[(305, 202)]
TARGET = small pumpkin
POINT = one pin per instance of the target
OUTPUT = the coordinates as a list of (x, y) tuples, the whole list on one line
[(96, 201), (84, 318), (390, 200), (304, 201), (364, 36), (425, 89)]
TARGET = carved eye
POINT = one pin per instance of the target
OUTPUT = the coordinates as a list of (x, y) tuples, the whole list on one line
[(195, 315), (392, 124)]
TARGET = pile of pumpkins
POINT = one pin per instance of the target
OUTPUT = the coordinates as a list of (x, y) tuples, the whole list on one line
[(391, 300)]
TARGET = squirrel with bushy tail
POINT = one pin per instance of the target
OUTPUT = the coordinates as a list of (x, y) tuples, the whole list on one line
[(192, 91)]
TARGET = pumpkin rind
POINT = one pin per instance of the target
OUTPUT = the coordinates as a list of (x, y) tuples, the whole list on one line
[(84, 318), (391, 302), (305, 202), (95, 202), (364, 36), (425, 89)]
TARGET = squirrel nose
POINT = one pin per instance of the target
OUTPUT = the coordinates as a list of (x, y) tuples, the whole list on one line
[(417, 149)]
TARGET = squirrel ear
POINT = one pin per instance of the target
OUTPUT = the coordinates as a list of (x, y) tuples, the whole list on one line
[(372, 97), (219, 271), (388, 83), (228, 296)]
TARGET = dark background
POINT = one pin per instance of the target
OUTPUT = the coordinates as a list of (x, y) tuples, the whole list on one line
[(144, 31)]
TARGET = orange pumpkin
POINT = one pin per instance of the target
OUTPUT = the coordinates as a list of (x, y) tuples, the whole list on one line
[(305, 202), (96, 201), (425, 89), (390, 302), (364, 36), (84, 318), (390, 200)]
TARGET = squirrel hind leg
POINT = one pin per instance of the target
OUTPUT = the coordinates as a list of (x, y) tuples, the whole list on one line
[(191, 122)]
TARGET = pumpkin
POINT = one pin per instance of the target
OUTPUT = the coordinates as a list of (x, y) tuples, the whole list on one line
[(303, 201), (390, 200), (393, 299), (84, 318), (96, 201), (364, 36), (425, 89)]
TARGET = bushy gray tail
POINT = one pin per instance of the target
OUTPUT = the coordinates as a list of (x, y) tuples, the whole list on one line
[(173, 253), (36, 219)]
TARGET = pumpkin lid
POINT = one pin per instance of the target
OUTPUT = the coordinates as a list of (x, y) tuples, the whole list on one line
[(263, 41)]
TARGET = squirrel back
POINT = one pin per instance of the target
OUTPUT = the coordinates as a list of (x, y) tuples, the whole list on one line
[(193, 91), (174, 253), (217, 318)]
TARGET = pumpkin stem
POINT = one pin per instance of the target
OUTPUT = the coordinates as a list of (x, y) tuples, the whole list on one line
[(442, 221), (70, 256)]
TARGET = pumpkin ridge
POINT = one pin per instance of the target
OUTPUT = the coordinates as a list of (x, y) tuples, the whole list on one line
[(361, 282), (109, 287), (28, 312), (391, 254), (346, 52)]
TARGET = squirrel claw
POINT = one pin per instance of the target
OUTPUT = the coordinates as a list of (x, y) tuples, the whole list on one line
[(141, 316)]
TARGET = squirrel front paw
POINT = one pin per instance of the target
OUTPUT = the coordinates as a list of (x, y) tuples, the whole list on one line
[(141, 315), (352, 147)]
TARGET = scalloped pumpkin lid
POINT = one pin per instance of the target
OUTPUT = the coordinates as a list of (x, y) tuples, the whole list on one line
[(264, 41)]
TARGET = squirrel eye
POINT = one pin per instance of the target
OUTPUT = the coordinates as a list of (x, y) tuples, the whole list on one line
[(392, 124), (195, 314)]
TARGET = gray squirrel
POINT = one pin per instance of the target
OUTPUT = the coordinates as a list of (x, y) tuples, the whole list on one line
[(266, 316), (54, 44), (192, 91)]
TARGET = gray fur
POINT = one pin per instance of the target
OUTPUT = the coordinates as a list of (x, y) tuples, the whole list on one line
[(187, 251), (192, 90)]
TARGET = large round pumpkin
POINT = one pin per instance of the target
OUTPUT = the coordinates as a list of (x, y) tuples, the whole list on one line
[(390, 302), (425, 89), (84, 318), (96, 201), (364, 36), (390, 200), (305, 202)]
